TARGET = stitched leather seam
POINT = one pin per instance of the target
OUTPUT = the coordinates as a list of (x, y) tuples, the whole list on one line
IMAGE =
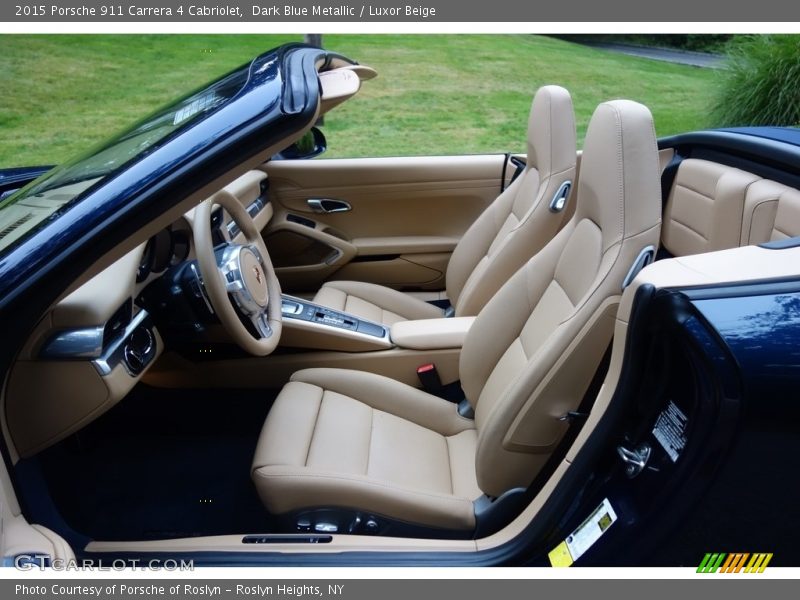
[(709, 197), (314, 428), (691, 229), (369, 444), (450, 464)]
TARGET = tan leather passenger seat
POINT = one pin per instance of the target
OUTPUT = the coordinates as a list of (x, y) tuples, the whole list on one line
[(360, 441), (514, 227)]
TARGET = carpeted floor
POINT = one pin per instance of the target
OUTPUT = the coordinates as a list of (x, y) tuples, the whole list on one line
[(163, 463)]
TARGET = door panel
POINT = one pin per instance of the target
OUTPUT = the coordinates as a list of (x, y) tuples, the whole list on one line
[(399, 219), (403, 270)]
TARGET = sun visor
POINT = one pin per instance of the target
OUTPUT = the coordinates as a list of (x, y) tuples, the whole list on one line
[(340, 84)]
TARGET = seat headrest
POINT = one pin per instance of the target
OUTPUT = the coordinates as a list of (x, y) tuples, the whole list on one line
[(619, 186), (551, 131)]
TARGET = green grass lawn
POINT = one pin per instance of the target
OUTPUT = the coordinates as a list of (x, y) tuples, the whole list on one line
[(435, 94)]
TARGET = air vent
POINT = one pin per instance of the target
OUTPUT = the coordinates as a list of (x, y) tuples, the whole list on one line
[(16, 225)]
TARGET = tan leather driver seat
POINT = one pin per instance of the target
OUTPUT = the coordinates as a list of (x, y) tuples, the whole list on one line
[(511, 230), (360, 441)]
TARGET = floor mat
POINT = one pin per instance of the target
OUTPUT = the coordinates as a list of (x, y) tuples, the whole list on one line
[(163, 464)]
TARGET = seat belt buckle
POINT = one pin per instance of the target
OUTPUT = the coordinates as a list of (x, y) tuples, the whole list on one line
[(429, 378)]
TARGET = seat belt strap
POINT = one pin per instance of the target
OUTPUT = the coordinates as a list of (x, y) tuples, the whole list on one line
[(668, 178)]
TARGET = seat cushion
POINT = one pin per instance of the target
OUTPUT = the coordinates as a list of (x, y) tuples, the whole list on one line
[(375, 302), (350, 439)]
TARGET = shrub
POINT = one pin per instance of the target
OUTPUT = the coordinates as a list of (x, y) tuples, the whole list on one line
[(761, 84)]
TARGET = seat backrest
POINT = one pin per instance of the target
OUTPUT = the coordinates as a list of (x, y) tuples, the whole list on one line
[(519, 222), (713, 206), (771, 212), (704, 207), (532, 352)]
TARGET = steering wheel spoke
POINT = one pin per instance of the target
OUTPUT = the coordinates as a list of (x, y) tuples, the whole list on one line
[(243, 271), (261, 323)]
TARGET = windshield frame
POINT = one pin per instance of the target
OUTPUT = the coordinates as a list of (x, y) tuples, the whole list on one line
[(278, 103), (108, 158)]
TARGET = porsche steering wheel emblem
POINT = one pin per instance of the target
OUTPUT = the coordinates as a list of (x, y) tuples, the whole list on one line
[(257, 271)]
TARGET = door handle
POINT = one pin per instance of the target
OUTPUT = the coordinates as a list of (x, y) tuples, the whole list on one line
[(328, 205)]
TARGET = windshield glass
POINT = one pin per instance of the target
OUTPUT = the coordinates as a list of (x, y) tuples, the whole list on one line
[(44, 198)]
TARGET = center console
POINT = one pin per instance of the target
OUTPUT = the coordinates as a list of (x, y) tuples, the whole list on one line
[(309, 325)]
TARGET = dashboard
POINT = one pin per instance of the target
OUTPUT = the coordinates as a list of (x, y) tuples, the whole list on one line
[(90, 350), (168, 248), (94, 345)]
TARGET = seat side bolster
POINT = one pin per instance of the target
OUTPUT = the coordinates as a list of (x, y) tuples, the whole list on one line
[(771, 212), (284, 489), (388, 395), (509, 252), (474, 245), (298, 405), (484, 259), (502, 319)]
